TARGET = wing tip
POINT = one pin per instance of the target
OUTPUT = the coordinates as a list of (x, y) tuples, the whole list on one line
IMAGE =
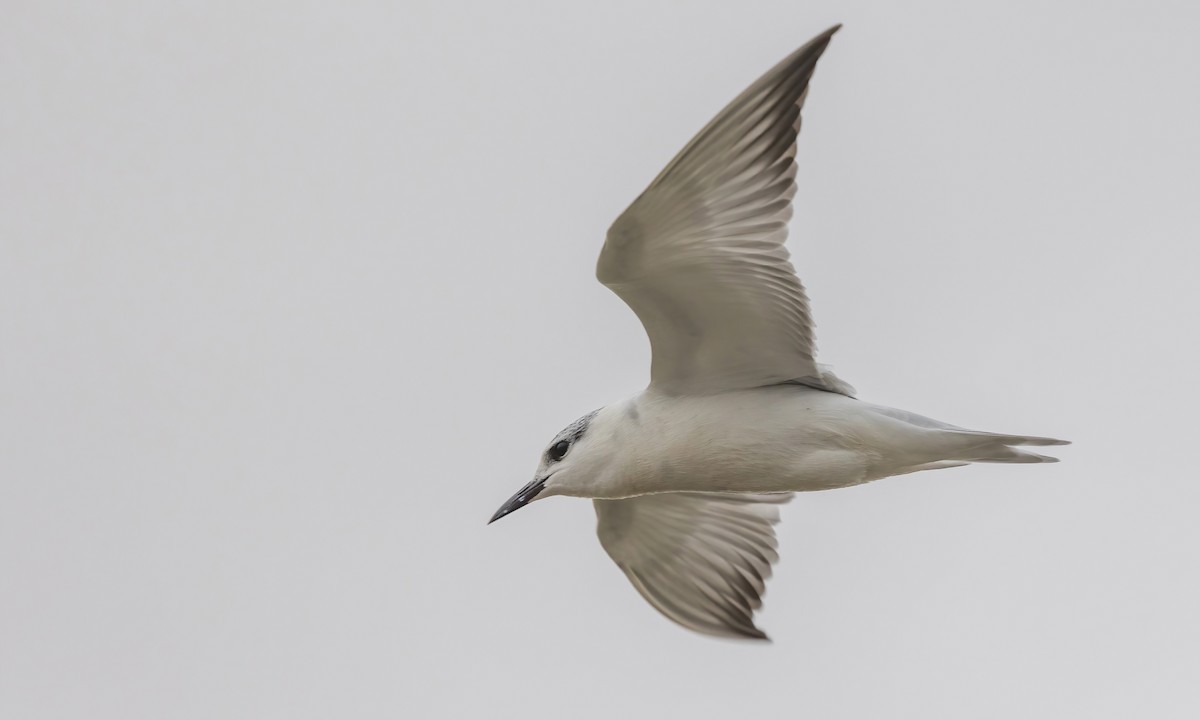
[(740, 632), (756, 636), (825, 36), (814, 47)]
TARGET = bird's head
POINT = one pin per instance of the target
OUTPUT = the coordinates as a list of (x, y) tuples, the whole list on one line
[(570, 465)]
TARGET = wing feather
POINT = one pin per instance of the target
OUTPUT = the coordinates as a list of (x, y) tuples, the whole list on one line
[(700, 255), (701, 559)]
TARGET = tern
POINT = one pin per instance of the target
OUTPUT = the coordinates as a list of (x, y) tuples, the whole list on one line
[(688, 475)]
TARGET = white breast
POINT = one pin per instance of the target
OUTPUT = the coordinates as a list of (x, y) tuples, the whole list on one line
[(764, 440)]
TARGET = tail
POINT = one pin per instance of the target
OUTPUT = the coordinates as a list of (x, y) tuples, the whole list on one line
[(973, 446), (956, 446)]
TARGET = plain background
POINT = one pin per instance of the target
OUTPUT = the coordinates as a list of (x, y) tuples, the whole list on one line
[(293, 294)]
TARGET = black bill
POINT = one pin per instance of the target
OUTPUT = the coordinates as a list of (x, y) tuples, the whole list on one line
[(520, 500)]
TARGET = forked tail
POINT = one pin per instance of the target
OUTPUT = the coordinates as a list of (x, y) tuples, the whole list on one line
[(974, 446), (955, 446)]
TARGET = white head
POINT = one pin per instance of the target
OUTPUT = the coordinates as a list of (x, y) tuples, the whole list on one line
[(571, 464)]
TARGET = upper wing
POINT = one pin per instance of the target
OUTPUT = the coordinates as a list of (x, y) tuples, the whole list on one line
[(701, 559), (700, 258)]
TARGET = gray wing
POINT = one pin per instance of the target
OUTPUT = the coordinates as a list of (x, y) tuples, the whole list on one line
[(700, 255), (701, 559)]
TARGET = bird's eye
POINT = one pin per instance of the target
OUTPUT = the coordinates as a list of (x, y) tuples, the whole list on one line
[(558, 450)]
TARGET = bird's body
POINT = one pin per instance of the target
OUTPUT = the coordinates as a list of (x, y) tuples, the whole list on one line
[(774, 439), (687, 476), (780, 438)]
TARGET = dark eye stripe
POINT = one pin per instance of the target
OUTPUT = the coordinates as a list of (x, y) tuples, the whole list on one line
[(558, 450)]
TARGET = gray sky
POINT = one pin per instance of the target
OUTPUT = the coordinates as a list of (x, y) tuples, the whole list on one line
[(292, 295)]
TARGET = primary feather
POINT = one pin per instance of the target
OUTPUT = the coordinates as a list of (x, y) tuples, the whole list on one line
[(700, 255), (701, 559)]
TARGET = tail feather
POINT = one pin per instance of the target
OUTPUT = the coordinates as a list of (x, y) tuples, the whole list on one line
[(1018, 439), (974, 446), (944, 445)]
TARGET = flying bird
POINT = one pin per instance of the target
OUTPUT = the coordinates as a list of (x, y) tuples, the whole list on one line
[(687, 476)]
